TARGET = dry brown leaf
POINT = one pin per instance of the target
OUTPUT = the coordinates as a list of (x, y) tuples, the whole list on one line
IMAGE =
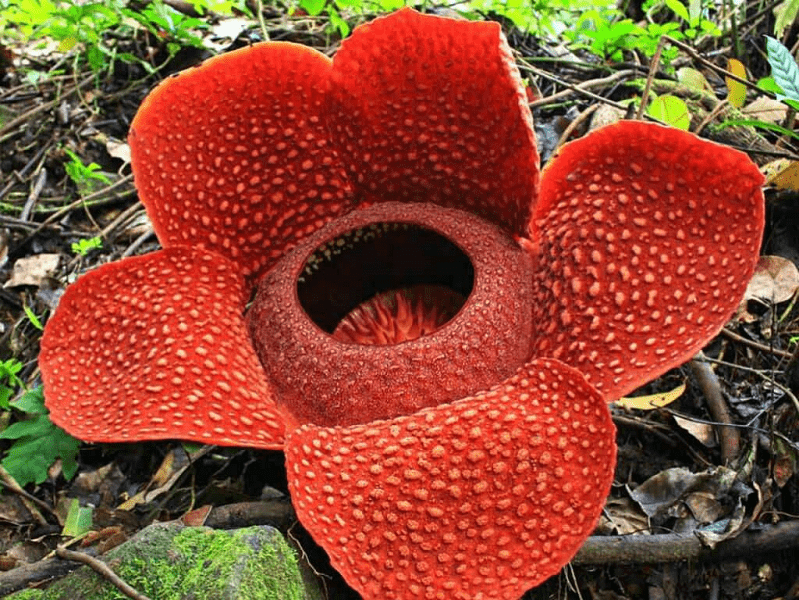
[(776, 280), (782, 174), (765, 109), (703, 432), (622, 517), (786, 462), (117, 149), (33, 270)]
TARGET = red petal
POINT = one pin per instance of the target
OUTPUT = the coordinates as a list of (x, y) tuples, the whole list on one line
[(482, 498), (154, 347), (234, 155), (433, 109), (648, 237)]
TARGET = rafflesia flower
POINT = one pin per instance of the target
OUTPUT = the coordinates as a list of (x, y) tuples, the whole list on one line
[(361, 267)]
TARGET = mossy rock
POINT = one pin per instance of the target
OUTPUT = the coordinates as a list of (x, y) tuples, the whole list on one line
[(167, 561)]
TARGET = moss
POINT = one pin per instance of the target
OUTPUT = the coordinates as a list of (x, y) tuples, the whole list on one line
[(29, 595), (175, 563)]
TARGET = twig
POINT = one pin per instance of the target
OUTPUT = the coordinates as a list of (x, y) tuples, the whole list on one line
[(103, 569), (729, 436), (696, 56), (674, 547), (28, 166), (757, 345), (650, 77), (581, 88), (73, 205), (137, 243), (28, 115), (576, 122), (38, 186), (7, 481), (121, 218)]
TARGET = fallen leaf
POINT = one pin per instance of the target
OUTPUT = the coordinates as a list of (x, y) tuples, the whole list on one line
[(776, 280), (693, 79), (196, 517), (606, 115), (652, 401), (702, 432), (33, 270), (117, 149), (786, 462), (765, 109), (622, 517), (736, 91), (782, 174)]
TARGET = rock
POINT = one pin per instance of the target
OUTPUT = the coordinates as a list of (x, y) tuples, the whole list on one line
[(168, 561)]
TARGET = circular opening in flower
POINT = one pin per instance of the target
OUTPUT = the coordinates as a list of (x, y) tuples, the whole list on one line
[(385, 283)]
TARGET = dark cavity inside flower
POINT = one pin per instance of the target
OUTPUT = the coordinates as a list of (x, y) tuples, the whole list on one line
[(385, 283), (361, 267)]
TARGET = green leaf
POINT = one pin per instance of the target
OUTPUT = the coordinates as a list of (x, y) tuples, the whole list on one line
[(694, 11), (339, 23), (785, 13), (761, 124), (33, 318), (38, 426), (39, 443), (784, 69), (9, 380), (78, 521), (693, 79), (671, 110), (769, 85), (313, 7), (678, 8), (31, 402)]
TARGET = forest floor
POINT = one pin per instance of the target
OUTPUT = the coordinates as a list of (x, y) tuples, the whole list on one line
[(708, 482)]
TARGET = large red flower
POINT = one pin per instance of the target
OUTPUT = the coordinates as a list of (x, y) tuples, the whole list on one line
[(434, 335)]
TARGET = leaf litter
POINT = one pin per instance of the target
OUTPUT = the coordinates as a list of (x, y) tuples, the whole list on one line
[(670, 476)]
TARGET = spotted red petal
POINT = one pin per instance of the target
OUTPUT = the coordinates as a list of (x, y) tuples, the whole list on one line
[(234, 155), (482, 498), (647, 238), (154, 347), (433, 109)]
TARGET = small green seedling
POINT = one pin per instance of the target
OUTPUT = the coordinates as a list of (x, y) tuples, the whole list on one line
[(82, 247), (9, 380), (84, 176)]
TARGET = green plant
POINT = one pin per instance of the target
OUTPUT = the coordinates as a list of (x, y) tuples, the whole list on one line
[(164, 21), (693, 17), (784, 70), (33, 318), (82, 247), (606, 34), (83, 175), (83, 27), (9, 380), (38, 442)]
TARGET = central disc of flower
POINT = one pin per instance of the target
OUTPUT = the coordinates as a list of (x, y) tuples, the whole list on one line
[(391, 309)]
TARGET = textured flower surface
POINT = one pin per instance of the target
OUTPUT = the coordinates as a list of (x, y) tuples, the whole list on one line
[(361, 267)]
